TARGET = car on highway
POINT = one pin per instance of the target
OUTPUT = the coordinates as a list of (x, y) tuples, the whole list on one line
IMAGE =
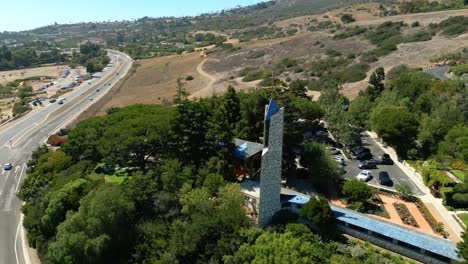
[(60, 102), (52, 101), (97, 90), (340, 160), (364, 176), (368, 164), (384, 179), (91, 98), (7, 166), (386, 160)]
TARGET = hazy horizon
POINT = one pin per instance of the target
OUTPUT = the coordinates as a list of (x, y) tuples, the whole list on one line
[(20, 15)]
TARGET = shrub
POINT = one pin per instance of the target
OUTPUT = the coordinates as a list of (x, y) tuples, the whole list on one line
[(459, 70), (20, 107), (447, 56), (356, 191), (415, 24), (347, 18), (255, 54), (404, 191), (350, 32), (333, 53), (353, 73), (395, 71), (405, 214), (245, 71), (454, 25), (419, 36), (255, 75), (189, 78)]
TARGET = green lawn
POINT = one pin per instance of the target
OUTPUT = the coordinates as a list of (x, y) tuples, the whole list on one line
[(116, 179), (464, 218), (460, 174)]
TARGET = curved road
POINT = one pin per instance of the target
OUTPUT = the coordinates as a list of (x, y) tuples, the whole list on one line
[(19, 139), (440, 72)]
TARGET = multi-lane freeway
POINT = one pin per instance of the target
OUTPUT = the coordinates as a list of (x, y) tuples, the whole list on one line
[(19, 138)]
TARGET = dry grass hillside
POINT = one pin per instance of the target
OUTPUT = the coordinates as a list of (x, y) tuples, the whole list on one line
[(155, 80)]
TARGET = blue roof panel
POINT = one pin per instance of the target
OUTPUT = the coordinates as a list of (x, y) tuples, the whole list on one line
[(427, 242)]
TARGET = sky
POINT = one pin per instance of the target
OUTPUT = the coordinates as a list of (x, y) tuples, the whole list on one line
[(20, 15)]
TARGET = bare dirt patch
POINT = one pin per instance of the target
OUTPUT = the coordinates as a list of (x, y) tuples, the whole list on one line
[(155, 81), (52, 71)]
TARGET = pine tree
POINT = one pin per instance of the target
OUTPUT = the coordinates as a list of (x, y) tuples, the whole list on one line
[(376, 85)]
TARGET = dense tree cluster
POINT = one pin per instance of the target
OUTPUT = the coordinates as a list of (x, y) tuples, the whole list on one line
[(25, 57), (150, 183), (92, 57)]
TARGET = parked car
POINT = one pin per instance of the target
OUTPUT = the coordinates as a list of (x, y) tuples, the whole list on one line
[(364, 176), (340, 160), (358, 150), (384, 179), (364, 156), (321, 133), (334, 151), (52, 101), (7, 166), (370, 164), (386, 160)]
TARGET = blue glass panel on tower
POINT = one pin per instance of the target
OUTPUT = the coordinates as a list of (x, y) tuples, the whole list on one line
[(272, 109)]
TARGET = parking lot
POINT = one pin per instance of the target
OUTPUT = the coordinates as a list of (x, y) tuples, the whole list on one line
[(396, 174)]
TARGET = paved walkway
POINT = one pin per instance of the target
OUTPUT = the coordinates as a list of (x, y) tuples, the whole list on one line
[(423, 225), (434, 205)]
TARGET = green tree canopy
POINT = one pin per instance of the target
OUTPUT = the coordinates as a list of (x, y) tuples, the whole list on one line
[(356, 191), (396, 126)]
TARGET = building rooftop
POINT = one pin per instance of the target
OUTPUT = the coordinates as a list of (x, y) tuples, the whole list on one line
[(251, 188), (246, 149), (427, 242), (299, 199)]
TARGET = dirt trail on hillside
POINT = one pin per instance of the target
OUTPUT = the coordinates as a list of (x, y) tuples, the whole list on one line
[(155, 81), (211, 80)]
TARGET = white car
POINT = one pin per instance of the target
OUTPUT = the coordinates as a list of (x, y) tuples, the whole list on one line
[(334, 151), (340, 160), (364, 176)]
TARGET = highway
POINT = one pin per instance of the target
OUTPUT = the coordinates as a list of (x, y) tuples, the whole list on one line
[(20, 138)]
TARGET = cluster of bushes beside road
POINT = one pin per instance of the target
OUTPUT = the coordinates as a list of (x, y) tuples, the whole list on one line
[(92, 57), (15, 58)]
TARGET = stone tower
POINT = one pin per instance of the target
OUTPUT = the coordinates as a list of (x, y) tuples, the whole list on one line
[(272, 157)]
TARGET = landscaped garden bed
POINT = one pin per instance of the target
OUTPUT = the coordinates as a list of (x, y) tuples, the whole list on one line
[(436, 226), (405, 214)]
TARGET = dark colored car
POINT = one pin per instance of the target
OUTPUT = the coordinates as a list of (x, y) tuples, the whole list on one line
[(7, 166), (52, 101), (386, 160), (384, 179), (358, 150), (370, 164), (364, 156)]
